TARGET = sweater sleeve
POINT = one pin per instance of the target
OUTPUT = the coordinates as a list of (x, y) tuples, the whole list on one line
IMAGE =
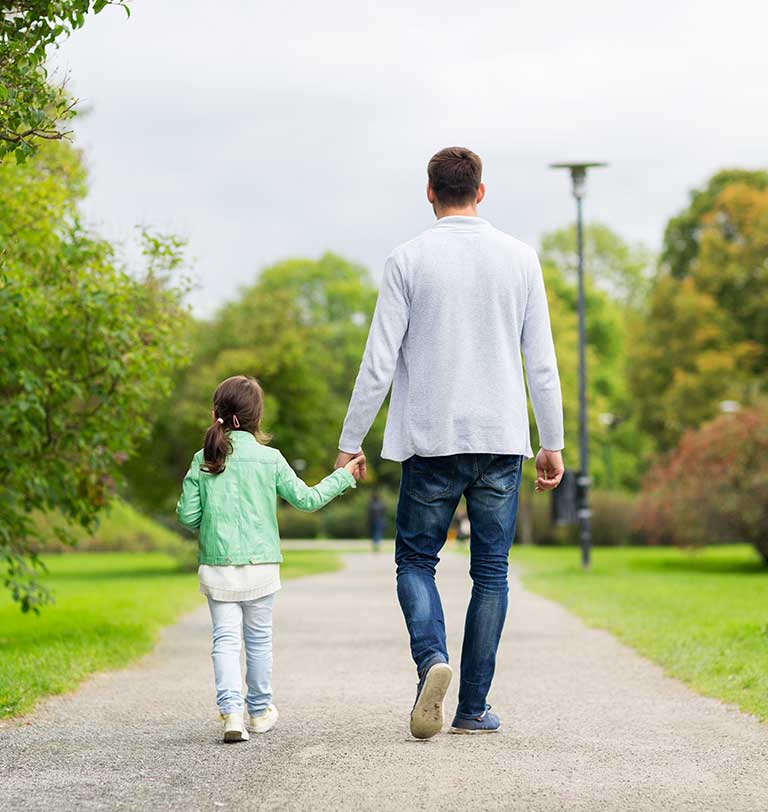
[(297, 493), (377, 369), (189, 509), (541, 362)]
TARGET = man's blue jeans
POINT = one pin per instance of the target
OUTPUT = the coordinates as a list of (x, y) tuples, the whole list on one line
[(430, 490)]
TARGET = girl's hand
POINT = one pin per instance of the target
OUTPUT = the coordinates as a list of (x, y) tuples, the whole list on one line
[(354, 465)]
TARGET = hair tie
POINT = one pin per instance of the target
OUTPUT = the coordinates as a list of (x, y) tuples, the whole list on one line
[(219, 420), (235, 421)]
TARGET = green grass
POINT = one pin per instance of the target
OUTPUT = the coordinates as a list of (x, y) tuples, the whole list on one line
[(703, 616), (109, 609)]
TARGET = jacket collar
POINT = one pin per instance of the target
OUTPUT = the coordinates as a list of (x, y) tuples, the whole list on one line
[(239, 436)]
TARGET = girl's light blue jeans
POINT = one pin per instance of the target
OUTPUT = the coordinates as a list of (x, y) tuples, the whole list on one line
[(232, 622)]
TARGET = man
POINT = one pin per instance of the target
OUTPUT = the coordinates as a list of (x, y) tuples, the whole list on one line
[(456, 307)]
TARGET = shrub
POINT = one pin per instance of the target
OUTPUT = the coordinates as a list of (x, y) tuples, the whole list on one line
[(537, 510), (713, 487), (613, 520), (347, 518), (295, 524), (121, 528)]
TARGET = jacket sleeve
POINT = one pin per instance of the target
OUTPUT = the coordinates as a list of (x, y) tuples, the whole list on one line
[(189, 509), (388, 327), (302, 496), (541, 362)]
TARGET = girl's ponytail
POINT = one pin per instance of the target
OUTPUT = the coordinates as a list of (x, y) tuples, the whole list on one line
[(217, 448)]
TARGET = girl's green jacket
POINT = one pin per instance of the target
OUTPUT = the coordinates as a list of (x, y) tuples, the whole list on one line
[(236, 510)]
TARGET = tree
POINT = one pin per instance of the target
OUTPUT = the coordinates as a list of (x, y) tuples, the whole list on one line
[(683, 362), (683, 232), (30, 107), (615, 278), (732, 266), (300, 329), (88, 349), (703, 338), (713, 487), (621, 269)]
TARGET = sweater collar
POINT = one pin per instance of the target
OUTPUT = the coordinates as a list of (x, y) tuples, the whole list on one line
[(461, 221)]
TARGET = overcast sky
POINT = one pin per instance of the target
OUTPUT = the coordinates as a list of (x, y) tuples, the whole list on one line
[(262, 131)]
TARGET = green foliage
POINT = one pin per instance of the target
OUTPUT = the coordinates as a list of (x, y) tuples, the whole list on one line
[(704, 335), (615, 279), (701, 616), (297, 524), (712, 488), (343, 519), (613, 520), (121, 529), (683, 363), (300, 329), (348, 518), (88, 350), (30, 107), (109, 610), (682, 235), (732, 268), (621, 269)]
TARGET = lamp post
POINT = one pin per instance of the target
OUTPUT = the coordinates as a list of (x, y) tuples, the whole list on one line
[(578, 182)]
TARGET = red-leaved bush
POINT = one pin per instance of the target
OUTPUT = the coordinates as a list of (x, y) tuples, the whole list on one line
[(713, 487)]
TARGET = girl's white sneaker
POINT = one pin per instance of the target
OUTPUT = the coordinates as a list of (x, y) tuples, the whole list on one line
[(234, 729), (264, 722)]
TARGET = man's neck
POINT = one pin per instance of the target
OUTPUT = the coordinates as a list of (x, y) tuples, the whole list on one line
[(457, 211)]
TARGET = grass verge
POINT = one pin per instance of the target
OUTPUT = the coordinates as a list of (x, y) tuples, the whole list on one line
[(109, 610), (702, 616)]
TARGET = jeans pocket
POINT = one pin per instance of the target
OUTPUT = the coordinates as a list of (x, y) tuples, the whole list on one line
[(503, 473), (429, 478)]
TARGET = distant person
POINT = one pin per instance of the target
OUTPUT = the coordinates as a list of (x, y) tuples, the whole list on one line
[(463, 526), (456, 307), (377, 516), (230, 493)]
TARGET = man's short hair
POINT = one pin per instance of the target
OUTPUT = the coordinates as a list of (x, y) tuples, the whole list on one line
[(455, 174)]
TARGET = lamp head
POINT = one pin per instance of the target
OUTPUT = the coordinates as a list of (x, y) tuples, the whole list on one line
[(578, 175)]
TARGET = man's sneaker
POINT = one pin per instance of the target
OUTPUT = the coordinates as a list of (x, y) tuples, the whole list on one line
[(264, 722), (234, 729), (487, 722), (427, 713)]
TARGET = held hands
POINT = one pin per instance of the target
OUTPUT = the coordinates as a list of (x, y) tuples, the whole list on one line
[(549, 469), (353, 463)]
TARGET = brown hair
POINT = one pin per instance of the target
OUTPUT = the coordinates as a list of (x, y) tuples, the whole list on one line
[(238, 404), (455, 174)]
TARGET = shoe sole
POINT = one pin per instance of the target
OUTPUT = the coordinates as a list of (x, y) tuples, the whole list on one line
[(427, 714), (232, 736), (463, 732)]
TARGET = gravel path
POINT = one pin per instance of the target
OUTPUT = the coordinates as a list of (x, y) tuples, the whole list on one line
[(588, 725)]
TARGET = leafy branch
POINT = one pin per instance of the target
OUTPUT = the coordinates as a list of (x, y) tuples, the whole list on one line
[(31, 108)]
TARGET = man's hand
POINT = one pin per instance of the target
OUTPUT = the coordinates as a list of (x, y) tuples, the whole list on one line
[(345, 458), (549, 469)]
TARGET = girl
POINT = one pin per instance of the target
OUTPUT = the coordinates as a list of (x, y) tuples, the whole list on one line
[(230, 493)]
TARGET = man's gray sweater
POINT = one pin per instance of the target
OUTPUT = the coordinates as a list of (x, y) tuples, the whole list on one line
[(456, 307)]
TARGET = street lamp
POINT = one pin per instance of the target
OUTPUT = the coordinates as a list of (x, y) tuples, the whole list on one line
[(579, 181)]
